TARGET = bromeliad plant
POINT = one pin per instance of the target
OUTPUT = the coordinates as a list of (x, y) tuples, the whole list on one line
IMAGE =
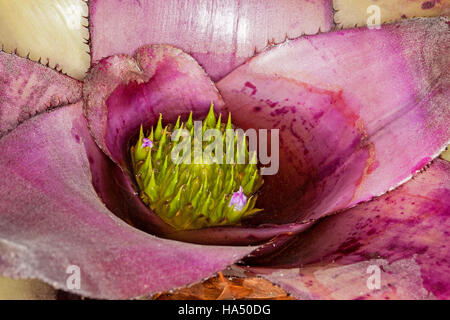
[(359, 112)]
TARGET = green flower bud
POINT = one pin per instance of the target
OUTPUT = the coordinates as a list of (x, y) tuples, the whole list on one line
[(196, 193)]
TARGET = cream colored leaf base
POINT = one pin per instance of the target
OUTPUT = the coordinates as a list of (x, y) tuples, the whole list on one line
[(53, 30), (351, 13), (11, 289)]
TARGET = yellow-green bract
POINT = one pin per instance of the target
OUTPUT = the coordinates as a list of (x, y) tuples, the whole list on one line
[(196, 194)]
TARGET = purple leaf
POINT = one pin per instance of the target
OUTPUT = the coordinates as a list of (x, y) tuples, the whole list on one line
[(27, 88), (220, 34), (51, 218), (404, 233), (359, 111)]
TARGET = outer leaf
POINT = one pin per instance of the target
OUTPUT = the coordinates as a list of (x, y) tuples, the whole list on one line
[(51, 218), (27, 88), (349, 105), (404, 233), (219, 34)]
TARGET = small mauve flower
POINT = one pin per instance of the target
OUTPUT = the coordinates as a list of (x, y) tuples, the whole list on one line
[(146, 142), (238, 199)]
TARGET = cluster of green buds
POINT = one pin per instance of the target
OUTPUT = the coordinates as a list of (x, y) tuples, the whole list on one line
[(195, 193)]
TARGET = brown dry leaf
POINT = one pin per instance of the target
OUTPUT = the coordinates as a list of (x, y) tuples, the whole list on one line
[(221, 288), (350, 13)]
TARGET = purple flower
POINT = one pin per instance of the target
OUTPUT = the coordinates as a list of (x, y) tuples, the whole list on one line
[(359, 113), (146, 142), (238, 199)]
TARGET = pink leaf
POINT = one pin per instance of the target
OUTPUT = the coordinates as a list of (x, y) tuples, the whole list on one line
[(404, 233), (220, 34), (359, 111), (27, 88)]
